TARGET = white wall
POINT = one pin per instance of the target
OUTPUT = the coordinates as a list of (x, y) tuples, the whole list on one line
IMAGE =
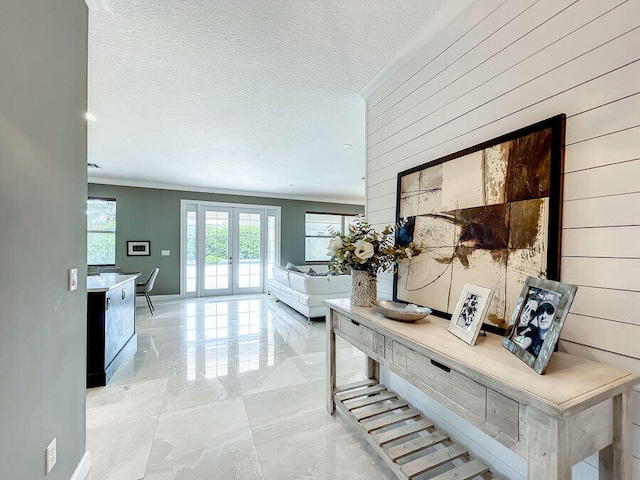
[(502, 65), (43, 195)]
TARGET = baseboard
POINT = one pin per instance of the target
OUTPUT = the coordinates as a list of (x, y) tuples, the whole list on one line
[(141, 302), (175, 296), (84, 465)]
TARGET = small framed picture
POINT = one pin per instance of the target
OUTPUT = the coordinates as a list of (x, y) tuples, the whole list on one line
[(470, 312), (138, 247), (536, 321)]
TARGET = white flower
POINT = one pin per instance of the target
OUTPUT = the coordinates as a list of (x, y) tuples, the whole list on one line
[(364, 250), (408, 252), (335, 244)]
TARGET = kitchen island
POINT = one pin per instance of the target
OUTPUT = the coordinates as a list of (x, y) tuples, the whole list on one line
[(111, 336)]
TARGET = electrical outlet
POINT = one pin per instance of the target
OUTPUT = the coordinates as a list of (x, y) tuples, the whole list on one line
[(51, 455)]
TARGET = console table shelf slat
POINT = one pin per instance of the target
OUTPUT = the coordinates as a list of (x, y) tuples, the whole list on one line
[(360, 392), (433, 460), (405, 430), (373, 399), (391, 419)]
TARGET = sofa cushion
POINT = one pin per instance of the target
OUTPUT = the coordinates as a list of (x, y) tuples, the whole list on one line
[(319, 285)]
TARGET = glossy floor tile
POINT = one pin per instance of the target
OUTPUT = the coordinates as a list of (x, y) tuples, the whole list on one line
[(226, 388)]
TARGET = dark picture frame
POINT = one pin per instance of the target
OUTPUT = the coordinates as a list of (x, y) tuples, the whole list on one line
[(537, 319), (486, 215), (138, 248)]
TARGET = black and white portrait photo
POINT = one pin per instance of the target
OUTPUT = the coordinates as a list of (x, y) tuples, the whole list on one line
[(469, 312), (537, 319)]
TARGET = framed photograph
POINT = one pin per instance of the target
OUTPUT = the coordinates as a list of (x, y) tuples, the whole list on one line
[(486, 215), (536, 322), (468, 317), (138, 247)]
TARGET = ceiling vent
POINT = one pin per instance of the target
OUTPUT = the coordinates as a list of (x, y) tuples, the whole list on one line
[(93, 165), (98, 5)]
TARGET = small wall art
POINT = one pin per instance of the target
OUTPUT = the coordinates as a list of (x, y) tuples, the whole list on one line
[(138, 248), (536, 322), (470, 312)]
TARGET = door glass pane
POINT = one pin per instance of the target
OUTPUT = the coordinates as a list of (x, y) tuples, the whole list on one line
[(192, 244), (216, 255), (271, 245), (249, 274)]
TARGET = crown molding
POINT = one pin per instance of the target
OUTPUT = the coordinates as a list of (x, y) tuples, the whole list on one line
[(245, 193), (444, 16)]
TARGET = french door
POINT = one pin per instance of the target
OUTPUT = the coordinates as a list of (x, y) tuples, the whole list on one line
[(227, 249)]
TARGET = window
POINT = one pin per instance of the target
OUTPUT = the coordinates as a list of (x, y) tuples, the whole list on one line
[(317, 234), (101, 231)]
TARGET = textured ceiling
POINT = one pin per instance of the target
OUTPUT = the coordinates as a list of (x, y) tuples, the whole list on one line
[(247, 96)]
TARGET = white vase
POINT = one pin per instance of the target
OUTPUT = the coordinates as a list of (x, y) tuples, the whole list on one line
[(363, 288)]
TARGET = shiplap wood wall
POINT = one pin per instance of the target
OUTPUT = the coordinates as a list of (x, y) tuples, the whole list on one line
[(504, 64)]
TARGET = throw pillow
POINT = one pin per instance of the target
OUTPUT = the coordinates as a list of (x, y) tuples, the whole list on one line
[(292, 267), (313, 273)]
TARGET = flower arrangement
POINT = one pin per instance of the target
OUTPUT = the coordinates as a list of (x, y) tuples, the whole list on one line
[(362, 248)]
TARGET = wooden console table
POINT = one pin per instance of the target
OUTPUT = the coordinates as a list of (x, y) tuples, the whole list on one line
[(555, 420)]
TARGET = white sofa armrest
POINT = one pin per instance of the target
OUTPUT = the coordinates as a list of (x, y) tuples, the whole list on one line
[(281, 275)]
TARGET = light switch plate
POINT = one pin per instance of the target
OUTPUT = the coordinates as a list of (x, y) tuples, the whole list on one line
[(73, 279), (166, 253)]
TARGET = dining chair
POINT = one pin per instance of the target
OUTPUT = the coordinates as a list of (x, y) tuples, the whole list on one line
[(146, 287)]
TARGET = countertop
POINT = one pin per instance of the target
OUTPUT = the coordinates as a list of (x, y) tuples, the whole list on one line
[(104, 283)]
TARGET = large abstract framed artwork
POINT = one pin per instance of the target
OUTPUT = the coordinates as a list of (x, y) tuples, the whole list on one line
[(488, 215)]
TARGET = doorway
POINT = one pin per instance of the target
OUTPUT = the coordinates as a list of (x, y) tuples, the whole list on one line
[(227, 249)]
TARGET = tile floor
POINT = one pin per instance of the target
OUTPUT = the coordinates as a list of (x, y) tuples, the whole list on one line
[(229, 388)]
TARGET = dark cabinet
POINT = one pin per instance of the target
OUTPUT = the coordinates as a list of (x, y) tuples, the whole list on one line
[(111, 333)]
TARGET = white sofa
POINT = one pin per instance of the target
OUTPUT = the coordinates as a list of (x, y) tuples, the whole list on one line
[(304, 292)]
